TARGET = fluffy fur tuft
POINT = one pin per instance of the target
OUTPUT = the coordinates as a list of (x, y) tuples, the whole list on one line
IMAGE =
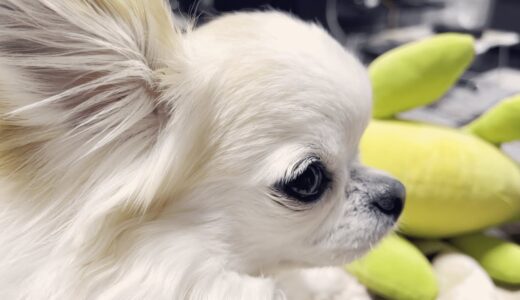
[(83, 124)]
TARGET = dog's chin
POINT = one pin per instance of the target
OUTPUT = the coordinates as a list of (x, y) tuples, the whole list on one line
[(326, 258), (342, 248)]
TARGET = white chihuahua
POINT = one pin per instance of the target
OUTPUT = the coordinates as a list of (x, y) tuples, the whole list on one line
[(141, 161)]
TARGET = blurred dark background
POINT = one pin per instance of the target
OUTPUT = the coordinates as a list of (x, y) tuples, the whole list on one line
[(372, 27), (356, 22)]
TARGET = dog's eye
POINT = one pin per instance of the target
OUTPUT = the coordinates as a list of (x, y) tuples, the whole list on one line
[(308, 185)]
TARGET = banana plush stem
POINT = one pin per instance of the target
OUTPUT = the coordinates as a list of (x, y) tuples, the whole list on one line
[(499, 125), (418, 73)]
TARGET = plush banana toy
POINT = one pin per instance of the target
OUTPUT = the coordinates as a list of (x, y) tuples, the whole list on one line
[(458, 181)]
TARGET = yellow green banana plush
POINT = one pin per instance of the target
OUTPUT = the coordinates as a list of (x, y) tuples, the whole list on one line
[(396, 269), (418, 73), (457, 180)]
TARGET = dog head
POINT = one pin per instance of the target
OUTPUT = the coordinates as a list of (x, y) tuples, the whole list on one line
[(288, 108), (245, 129)]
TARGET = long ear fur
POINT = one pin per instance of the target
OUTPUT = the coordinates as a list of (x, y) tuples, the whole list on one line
[(77, 77), (82, 102)]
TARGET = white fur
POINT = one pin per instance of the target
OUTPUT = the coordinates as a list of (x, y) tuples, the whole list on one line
[(137, 159)]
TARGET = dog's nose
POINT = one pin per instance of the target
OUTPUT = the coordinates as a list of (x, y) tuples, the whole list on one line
[(390, 198)]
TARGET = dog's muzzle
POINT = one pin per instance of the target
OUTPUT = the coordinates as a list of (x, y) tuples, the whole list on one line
[(390, 198), (383, 193)]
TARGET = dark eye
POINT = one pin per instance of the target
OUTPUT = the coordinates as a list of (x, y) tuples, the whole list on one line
[(308, 185)]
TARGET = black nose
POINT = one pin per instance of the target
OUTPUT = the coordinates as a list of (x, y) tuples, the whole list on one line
[(389, 199)]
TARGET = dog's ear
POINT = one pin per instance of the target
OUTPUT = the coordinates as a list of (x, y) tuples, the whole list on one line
[(81, 83)]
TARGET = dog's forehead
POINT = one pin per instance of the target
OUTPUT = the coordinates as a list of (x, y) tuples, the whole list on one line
[(283, 81), (292, 60)]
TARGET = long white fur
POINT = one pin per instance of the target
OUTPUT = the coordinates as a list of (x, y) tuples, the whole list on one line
[(136, 158)]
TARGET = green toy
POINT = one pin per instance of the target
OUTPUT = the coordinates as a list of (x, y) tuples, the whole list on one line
[(457, 180), (501, 124), (415, 280), (418, 73), (501, 259)]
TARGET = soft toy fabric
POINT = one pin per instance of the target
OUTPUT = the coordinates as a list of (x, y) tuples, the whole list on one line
[(457, 180), (413, 280), (501, 259), (418, 73), (501, 124), (461, 278)]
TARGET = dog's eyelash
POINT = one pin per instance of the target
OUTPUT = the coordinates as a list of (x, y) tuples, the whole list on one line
[(306, 183), (300, 167)]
